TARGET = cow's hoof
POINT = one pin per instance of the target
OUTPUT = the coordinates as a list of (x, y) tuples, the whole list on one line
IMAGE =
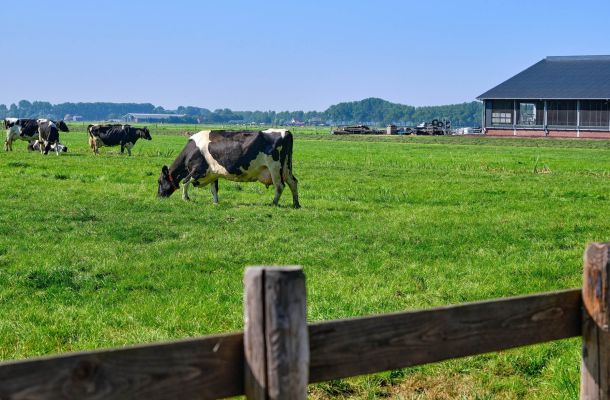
[(296, 206), (186, 198)]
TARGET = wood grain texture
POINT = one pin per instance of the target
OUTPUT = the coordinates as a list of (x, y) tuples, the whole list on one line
[(205, 368), (255, 379), (595, 289), (590, 366), (286, 333), (595, 366), (364, 345)]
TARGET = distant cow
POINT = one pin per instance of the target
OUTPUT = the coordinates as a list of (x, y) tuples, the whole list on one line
[(242, 156), (25, 129), (35, 146), (114, 135)]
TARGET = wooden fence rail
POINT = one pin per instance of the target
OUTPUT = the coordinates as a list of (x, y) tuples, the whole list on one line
[(279, 353)]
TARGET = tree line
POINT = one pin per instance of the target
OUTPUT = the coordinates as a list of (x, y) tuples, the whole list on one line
[(373, 111)]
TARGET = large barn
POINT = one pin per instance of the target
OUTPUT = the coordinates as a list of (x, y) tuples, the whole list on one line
[(559, 96), (141, 117)]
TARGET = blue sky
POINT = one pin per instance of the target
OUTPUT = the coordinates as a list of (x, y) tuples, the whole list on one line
[(283, 55)]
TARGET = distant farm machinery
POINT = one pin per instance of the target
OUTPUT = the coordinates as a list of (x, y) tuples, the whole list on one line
[(434, 127)]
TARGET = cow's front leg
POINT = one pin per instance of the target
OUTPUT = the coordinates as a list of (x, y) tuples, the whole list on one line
[(122, 148), (185, 189), (214, 190), (128, 146)]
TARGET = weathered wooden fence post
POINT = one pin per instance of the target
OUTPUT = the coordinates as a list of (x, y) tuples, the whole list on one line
[(595, 369), (276, 341)]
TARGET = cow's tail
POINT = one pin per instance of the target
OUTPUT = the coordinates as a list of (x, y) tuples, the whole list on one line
[(287, 150)]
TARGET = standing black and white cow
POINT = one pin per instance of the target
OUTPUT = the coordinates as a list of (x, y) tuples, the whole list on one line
[(113, 135), (25, 129), (242, 156), (48, 135)]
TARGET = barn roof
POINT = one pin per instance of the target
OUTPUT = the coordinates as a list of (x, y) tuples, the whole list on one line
[(564, 77)]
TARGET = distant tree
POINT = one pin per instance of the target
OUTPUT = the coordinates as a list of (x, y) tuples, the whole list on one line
[(13, 111), (371, 110)]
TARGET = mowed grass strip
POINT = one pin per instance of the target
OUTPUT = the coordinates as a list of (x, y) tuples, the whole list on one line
[(90, 258)]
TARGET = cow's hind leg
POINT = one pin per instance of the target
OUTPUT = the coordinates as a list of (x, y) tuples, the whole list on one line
[(92, 144), (8, 143), (292, 184), (214, 190), (277, 184)]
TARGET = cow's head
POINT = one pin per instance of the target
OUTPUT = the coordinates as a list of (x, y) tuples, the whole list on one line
[(167, 184), (9, 122), (145, 134), (62, 126)]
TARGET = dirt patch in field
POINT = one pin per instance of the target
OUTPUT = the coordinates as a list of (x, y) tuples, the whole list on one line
[(411, 387)]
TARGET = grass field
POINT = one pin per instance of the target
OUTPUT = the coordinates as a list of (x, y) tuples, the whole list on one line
[(90, 258)]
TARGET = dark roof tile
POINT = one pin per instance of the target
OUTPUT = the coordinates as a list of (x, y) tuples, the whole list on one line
[(564, 77)]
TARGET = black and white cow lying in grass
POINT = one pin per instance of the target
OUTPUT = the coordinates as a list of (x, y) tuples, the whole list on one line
[(114, 135), (35, 146), (241, 156), (26, 129)]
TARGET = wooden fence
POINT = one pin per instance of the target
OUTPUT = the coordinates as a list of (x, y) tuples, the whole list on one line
[(279, 354)]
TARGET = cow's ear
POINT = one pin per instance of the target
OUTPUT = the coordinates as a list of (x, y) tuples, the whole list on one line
[(165, 170)]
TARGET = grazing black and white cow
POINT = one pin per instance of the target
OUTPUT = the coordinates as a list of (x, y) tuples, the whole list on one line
[(113, 135), (25, 129), (35, 146), (242, 156), (48, 136)]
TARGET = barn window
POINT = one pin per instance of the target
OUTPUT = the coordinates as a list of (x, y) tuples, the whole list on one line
[(502, 112), (500, 118), (530, 113), (594, 114), (561, 113)]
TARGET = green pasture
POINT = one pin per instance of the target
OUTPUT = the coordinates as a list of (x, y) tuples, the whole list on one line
[(90, 258)]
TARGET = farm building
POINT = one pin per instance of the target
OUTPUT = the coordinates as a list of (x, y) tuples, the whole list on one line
[(139, 117), (559, 96)]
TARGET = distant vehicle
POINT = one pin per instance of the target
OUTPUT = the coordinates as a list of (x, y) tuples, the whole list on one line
[(435, 127), (357, 130)]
